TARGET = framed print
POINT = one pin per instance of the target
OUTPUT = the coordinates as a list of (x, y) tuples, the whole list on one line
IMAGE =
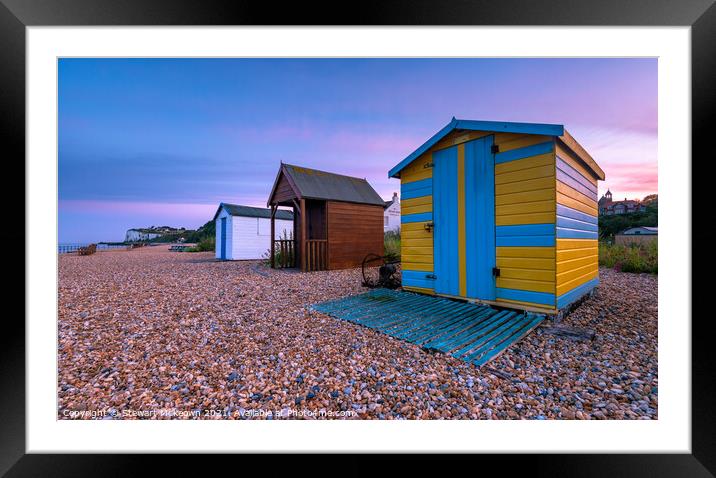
[(427, 228)]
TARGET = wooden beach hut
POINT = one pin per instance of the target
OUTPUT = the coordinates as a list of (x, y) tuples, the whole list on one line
[(244, 232), (338, 219), (502, 213)]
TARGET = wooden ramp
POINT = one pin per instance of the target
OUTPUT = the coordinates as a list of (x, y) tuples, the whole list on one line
[(471, 332)]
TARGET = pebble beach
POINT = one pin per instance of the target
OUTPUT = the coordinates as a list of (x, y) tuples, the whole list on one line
[(150, 333)]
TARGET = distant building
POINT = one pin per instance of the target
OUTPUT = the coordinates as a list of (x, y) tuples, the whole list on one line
[(637, 235), (608, 207), (134, 235), (149, 233), (391, 214)]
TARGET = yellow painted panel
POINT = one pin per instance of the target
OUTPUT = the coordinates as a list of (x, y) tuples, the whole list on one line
[(576, 195), (574, 204), (416, 169), (527, 274), (574, 273), (565, 287), (417, 266), (419, 201), (525, 175), (415, 209), (546, 159), (563, 244), (577, 263), (418, 242), (542, 252), (529, 304), (528, 196), (526, 263), (423, 234), (522, 186), (413, 226), (534, 218), (535, 286), (422, 173), (569, 254), (421, 290), (509, 141), (526, 207), (569, 159), (422, 250)]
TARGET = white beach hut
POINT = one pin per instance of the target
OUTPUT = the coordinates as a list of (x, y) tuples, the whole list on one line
[(244, 232)]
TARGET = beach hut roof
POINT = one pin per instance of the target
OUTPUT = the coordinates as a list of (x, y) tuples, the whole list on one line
[(556, 130), (250, 211), (310, 183)]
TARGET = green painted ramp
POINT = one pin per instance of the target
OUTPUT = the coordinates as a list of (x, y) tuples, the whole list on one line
[(471, 332)]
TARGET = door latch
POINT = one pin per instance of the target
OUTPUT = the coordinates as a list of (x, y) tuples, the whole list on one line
[(496, 271), (495, 149), (431, 276)]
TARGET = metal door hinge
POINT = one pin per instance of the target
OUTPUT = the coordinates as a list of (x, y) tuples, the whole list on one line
[(431, 276), (496, 271), (428, 165), (429, 226), (495, 148)]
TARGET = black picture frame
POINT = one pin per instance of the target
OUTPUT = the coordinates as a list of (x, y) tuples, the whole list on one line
[(15, 15)]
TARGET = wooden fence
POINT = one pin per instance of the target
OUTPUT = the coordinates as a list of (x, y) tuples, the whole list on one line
[(285, 253), (316, 255)]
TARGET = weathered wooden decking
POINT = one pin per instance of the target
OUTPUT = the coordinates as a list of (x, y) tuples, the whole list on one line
[(471, 332)]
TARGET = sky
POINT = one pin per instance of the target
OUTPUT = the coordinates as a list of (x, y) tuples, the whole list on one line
[(147, 142)]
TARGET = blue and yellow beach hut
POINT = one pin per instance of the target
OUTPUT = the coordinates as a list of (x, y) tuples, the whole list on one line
[(502, 213)]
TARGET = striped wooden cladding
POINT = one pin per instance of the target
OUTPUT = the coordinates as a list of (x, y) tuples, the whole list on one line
[(545, 212), (524, 188), (577, 263), (415, 189), (416, 205), (416, 248), (574, 162)]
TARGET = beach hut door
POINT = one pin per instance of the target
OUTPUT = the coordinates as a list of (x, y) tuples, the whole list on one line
[(223, 238), (464, 218)]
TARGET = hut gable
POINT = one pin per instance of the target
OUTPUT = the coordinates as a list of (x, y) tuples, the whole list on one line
[(508, 135), (306, 183)]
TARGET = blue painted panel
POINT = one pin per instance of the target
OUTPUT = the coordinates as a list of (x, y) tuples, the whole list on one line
[(416, 189), (525, 230), (526, 241), (418, 217), (543, 298), (575, 224), (525, 152), (445, 218), (223, 238), (565, 211), (497, 126), (576, 175), (417, 279), (574, 294), (480, 219), (564, 233)]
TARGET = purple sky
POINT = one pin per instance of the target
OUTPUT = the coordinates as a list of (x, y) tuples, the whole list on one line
[(161, 142)]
